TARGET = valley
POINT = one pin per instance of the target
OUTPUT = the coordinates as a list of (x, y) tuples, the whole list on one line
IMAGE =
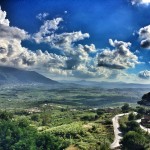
[(80, 118), (33, 96)]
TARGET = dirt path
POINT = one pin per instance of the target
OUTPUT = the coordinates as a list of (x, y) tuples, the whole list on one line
[(118, 133)]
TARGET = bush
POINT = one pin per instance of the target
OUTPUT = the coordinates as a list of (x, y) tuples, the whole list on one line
[(133, 141), (35, 117), (47, 141), (19, 135), (131, 117), (125, 108), (141, 110), (13, 136), (4, 115), (123, 127), (139, 116), (133, 126), (89, 117), (100, 112)]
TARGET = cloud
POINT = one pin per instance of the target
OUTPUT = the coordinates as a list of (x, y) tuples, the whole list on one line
[(89, 48), (145, 43), (65, 42), (144, 74), (42, 16), (79, 63), (3, 19), (12, 53), (76, 60), (119, 58), (46, 29), (8, 32), (140, 2), (144, 35), (144, 32)]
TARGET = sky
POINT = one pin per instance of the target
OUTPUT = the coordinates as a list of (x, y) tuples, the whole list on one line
[(75, 40)]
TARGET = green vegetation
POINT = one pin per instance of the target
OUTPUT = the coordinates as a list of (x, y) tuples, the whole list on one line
[(70, 119), (83, 129), (135, 141), (125, 108), (145, 99), (134, 137), (18, 134), (25, 97)]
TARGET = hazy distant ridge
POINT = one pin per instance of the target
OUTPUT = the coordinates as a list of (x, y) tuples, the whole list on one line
[(10, 75)]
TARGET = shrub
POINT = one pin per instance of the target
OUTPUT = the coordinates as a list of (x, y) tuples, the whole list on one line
[(131, 117), (133, 141), (4, 115)]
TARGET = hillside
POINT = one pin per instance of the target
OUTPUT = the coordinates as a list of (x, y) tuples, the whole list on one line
[(9, 75)]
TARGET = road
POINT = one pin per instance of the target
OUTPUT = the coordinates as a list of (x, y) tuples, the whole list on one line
[(118, 133), (143, 128)]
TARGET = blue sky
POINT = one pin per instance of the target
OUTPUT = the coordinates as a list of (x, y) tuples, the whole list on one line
[(102, 19), (119, 20)]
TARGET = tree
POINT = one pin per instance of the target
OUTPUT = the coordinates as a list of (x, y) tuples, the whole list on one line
[(145, 99), (18, 134), (15, 136), (4, 115), (133, 141), (125, 108), (47, 141), (141, 110), (133, 126), (100, 112), (35, 117), (139, 116), (131, 117)]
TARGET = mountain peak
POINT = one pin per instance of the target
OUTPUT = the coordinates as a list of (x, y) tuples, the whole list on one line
[(9, 75)]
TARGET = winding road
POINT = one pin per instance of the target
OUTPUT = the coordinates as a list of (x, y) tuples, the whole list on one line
[(118, 133)]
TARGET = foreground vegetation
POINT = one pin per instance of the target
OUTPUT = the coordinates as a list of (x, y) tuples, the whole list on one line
[(133, 136), (69, 119), (56, 128)]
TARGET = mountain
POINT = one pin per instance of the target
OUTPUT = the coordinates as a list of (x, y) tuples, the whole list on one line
[(108, 85), (9, 75)]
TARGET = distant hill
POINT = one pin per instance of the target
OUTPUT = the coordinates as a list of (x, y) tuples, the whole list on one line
[(108, 85), (9, 75)]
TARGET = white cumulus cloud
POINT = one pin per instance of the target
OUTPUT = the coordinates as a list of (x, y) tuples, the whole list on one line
[(144, 74), (76, 60), (119, 58), (144, 35), (140, 2), (3, 19)]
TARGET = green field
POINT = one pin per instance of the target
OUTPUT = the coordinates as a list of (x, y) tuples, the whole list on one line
[(24, 97)]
